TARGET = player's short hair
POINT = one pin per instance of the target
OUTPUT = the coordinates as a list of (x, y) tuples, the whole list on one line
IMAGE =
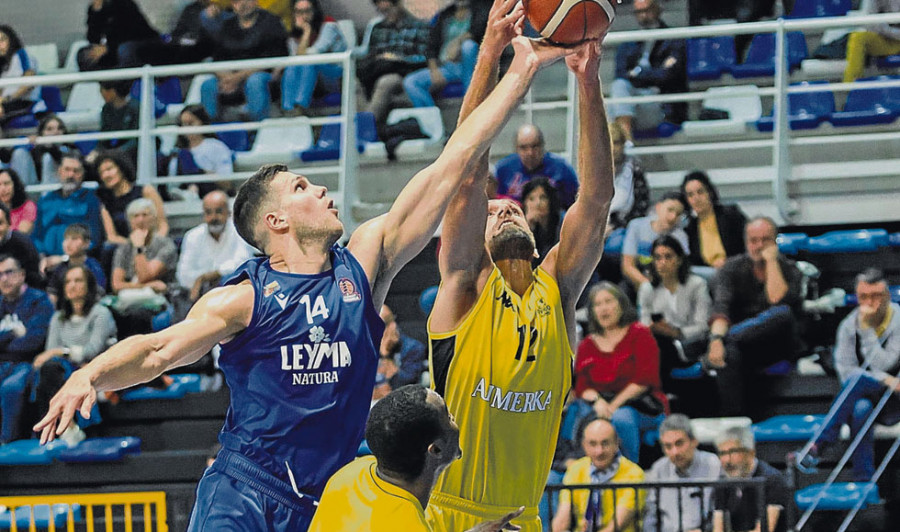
[(77, 230), (676, 422), (400, 428), (741, 434), (250, 198)]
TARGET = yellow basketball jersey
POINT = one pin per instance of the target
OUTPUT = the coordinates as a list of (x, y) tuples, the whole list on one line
[(356, 500), (504, 374)]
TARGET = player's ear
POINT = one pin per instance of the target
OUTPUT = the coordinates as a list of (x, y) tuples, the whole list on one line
[(435, 449), (536, 254), (275, 220)]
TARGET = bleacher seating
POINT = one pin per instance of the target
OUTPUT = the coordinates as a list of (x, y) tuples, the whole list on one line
[(429, 119), (851, 241), (101, 450), (820, 8), (838, 496), (806, 110), (742, 103), (760, 59), (42, 518), (181, 385), (889, 61), (710, 57), (277, 143), (83, 107), (46, 55), (869, 106), (30, 452)]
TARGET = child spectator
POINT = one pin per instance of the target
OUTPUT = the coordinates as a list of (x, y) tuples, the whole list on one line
[(76, 243)]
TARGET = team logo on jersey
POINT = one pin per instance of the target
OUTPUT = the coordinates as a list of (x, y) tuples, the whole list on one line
[(348, 289), (281, 299), (505, 299), (271, 288), (542, 308), (518, 402)]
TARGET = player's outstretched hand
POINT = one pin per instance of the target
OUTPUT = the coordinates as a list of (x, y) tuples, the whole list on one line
[(539, 52), (585, 62), (77, 394), (500, 524), (504, 22)]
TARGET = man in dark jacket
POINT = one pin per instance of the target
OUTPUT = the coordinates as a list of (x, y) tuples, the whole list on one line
[(116, 29), (645, 68)]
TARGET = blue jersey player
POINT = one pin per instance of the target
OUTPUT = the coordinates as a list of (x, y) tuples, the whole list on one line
[(299, 328)]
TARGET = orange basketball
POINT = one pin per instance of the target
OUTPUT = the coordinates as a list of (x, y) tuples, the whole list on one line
[(570, 21)]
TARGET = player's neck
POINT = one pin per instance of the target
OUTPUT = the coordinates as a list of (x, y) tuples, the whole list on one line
[(308, 260), (420, 487), (517, 273)]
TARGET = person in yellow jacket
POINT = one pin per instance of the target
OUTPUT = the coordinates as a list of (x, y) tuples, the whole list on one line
[(413, 438), (603, 510)]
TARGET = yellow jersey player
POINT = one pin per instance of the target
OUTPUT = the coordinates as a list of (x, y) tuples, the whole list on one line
[(413, 438), (501, 333)]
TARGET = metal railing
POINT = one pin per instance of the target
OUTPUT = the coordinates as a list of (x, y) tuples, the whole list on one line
[(90, 511)]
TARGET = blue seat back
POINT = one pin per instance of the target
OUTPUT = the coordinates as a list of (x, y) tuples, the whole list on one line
[(762, 49), (787, 428), (236, 140), (30, 452), (52, 98), (838, 496), (710, 55), (791, 243), (820, 8), (818, 104), (365, 127), (864, 99), (329, 136), (850, 241), (101, 449)]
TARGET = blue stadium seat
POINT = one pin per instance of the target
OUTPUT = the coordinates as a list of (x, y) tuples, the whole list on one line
[(614, 242), (52, 98), (838, 496), (663, 131), (791, 243), (30, 452), (761, 55), (101, 450), (182, 384), (327, 147), (426, 299), (41, 516), (806, 110), (710, 57), (85, 146), (820, 8), (894, 240), (787, 428), (851, 241), (236, 140), (331, 99), (894, 292), (890, 61), (869, 106), (453, 90)]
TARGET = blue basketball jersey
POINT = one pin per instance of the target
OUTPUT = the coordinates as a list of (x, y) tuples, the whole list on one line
[(301, 374)]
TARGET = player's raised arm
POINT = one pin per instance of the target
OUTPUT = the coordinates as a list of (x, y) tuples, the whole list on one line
[(581, 236), (217, 316)]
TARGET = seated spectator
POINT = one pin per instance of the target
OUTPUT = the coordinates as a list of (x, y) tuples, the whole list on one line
[(715, 231), (756, 304), (604, 509), (737, 509), (191, 40), (39, 163), (396, 46), (279, 8), (632, 198), (675, 305), (19, 246), (252, 33), (120, 112), (211, 250), (617, 370), (116, 29), (200, 153), (879, 41), (76, 243), (646, 68), (404, 360), (642, 232), (24, 317), (678, 509), (15, 100), (451, 55), (117, 191), (22, 211), (531, 161), (540, 203), (80, 329), (867, 357), (311, 33)]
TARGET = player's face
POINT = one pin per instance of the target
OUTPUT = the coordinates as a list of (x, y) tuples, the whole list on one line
[(758, 236), (310, 212), (678, 447), (600, 443), (697, 197), (449, 440), (606, 309), (668, 212), (505, 216), (737, 461)]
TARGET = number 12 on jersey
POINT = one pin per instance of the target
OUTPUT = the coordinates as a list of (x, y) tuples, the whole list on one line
[(532, 341)]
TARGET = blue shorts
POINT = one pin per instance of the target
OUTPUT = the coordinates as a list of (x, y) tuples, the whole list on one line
[(236, 495)]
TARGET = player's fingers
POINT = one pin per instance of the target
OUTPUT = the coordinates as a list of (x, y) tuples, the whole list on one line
[(87, 404), (47, 434), (67, 414), (509, 517)]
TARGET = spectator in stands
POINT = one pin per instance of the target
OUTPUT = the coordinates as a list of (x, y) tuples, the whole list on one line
[(404, 360), (212, 249), (24, 316), (15, 244), (60, 208), (604, 509), (881, 40), (76, 243), (39, 163), (80, 329), (737, 508), (22, 211), (15, 100), (120, 112), (642, 232), (200, 153), (867, 357), (115, 29), (675, 306), (756, 303), (617, 370), (645, 68), (451, 55), (311, 33), (279, 8), (396, 46), (117, 192), (531, 161), (191, 40), (715, 231), (252, 33), (679, 508), (540, 203), (632, 199)]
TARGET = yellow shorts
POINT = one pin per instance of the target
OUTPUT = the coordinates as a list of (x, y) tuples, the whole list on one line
[(446, 513)]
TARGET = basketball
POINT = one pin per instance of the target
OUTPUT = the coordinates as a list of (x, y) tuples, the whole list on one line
[(570, 21)]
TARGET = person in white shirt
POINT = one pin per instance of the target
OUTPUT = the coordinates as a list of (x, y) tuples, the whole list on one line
[(212, 249)]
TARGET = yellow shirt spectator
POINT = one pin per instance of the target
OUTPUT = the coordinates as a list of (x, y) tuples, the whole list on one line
[(580, 473)]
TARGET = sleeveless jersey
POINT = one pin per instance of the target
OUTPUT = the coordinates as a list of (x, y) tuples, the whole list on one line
[(301, 374), (504, 374)]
